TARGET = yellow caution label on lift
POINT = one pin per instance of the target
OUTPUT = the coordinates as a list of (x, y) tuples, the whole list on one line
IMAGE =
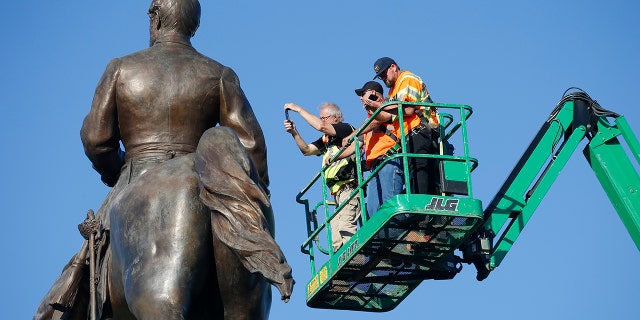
[(312, 286), (317, 280), (324, 274)]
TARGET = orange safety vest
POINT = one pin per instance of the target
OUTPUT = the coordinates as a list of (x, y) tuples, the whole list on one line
[(377, 143), (410, 88)]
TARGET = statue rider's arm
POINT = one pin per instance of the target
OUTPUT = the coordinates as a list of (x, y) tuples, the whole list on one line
[(237, 114), (99, 134)]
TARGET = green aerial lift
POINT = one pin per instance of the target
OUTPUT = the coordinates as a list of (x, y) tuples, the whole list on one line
[(416, 237)]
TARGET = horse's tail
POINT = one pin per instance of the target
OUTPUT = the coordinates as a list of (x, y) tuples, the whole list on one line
[(68, 297), (239, 206)]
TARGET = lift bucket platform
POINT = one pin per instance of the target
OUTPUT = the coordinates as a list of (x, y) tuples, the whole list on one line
[(410, 239)]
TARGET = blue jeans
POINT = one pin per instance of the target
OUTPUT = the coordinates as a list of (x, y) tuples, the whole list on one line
[(387, 183)]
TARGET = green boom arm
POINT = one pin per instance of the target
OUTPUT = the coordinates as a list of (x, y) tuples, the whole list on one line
[(575, 118)]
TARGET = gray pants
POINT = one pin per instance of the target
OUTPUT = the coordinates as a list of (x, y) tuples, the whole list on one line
[(345, 223)]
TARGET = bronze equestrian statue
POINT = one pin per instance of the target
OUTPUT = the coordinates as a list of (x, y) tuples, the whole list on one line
[(187, 228)]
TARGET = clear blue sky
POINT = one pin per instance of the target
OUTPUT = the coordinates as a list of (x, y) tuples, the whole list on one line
[(510, 60)]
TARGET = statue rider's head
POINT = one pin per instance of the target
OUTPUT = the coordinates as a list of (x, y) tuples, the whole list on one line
[(179, 16)]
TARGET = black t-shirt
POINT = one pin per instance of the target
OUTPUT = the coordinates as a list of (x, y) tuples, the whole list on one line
[(342, 129)]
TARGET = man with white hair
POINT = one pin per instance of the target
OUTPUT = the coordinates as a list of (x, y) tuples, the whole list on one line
[(340, 176)]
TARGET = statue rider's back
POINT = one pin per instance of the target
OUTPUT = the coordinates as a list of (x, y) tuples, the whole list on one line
[(159, 101)]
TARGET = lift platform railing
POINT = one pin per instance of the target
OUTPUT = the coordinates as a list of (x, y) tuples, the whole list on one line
[(358, 276), (450, 125)]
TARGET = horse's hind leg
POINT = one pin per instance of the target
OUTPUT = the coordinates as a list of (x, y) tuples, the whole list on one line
[(161, 242), (244, 295)]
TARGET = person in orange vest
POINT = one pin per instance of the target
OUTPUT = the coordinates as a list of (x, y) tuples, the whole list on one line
[(420, 123), (378, 146)]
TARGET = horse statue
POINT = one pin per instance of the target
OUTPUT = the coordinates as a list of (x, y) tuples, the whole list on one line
[(187, 230), (168, 250)]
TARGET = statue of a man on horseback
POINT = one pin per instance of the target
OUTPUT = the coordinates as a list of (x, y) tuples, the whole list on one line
[(187, 229)]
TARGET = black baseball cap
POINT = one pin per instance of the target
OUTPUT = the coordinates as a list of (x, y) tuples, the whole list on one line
[(382, 65), (370, 85)]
